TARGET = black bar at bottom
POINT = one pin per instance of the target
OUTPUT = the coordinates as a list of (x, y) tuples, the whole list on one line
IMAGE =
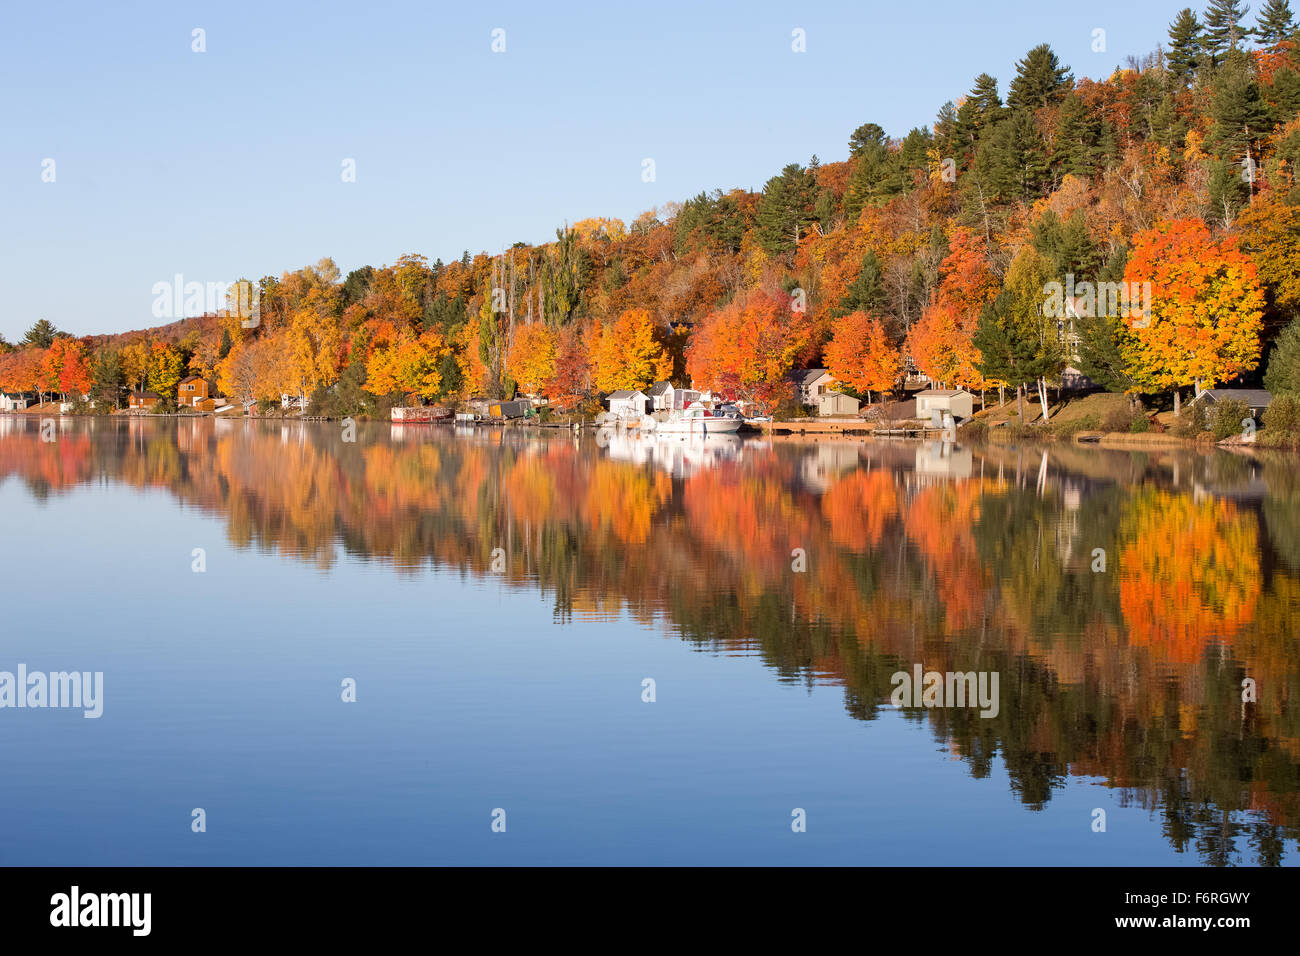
[(339, 904)]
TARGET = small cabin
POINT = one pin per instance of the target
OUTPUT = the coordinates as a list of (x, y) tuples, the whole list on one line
[(627, 404), (837, 403), (933, 403), (142, 399), (16, 401), (1256, 399)]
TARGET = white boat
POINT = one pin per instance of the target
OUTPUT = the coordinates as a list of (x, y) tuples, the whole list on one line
[(697, 420)]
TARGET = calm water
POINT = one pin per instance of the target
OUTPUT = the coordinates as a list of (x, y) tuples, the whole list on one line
[(513, 678)]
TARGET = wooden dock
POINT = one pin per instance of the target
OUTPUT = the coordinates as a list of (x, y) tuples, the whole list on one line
[(841, 426)]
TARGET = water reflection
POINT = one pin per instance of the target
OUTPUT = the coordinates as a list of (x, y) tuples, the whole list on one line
[(1123, 597)]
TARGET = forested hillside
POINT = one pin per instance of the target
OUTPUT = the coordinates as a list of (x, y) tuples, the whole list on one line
[(1144, 229)]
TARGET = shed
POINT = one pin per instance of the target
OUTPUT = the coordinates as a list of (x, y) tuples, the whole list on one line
[(514, 409), (933, 402), (837, 403)]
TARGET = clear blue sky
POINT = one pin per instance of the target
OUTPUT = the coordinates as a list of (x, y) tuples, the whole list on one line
[(227, 163)]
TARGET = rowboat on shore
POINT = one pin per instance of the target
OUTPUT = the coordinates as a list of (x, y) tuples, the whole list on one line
[(420, 414)]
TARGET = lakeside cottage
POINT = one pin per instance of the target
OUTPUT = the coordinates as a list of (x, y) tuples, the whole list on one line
[(143, 399), (192, 393), (1256, 399), (812, 383), (626, 404), (666, 397), (16, 401)]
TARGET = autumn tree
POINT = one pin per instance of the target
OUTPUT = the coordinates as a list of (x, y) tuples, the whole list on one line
[(1206, 308), (135, 358), (748, 348), (860, 355), (166, 368), (630, 354), (1270, 235), (411, 364), (532, 356), (570, 385)]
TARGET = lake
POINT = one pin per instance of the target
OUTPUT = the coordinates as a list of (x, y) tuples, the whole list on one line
[(612, 650)]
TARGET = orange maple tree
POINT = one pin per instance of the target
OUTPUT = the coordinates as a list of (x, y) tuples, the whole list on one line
[(1206, 307), (860, 355)]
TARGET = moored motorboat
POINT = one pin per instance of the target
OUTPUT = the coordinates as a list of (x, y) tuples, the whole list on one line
[(697, 420)]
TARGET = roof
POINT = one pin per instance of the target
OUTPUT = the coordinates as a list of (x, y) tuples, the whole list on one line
[(659, 388), (139, 394), (942, 392), (624, 393), (1254, 397), (806, 376), (191, 378)]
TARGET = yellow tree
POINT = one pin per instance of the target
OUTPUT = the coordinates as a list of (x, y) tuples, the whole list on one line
[(135, 363), (315, 341), (630, 354), (419, 364), (165, 369), (410, 363), (532, 356)]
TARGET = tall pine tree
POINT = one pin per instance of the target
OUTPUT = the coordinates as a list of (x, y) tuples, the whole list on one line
[(1223, 29), (1276, 23), (1040, 80), (787, 209)]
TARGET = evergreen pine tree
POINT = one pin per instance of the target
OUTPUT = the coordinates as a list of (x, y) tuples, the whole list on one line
[(1076, 148), (875, 175), (1040, 80), (1168, 128), (1285, 96), (787, 208), (1223, 29), (1012, 163), (1240, 114), (41, 334), (1186, 48), (1276, 23), (978, 113), (867, 293), (1067, 246), (1099, 352)]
